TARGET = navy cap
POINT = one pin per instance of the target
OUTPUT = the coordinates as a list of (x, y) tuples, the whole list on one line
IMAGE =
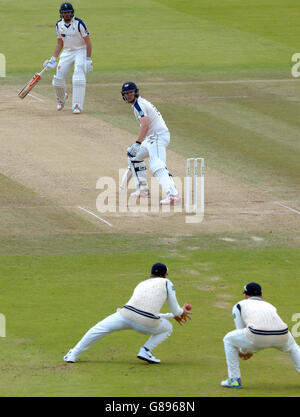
[(252, 289), (159, 269)]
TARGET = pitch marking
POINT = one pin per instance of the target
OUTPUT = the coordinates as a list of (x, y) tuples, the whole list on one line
[(37, 98), (98, 217), (287, 207), (228, 239)]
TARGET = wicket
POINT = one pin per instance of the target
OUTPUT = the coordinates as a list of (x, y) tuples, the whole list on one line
[(195, 185)]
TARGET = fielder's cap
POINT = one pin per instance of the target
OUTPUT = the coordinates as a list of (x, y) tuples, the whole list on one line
[(253, 288), (159, 269)]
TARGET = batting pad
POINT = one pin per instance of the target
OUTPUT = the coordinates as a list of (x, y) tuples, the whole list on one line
[(59, 86), (78, 93)]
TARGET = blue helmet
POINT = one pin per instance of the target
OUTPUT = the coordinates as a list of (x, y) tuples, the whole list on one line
[(128, 87), (66, 7)]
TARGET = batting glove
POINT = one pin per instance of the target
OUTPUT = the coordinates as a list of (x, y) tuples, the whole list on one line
[(89, 65), (133, 149), (50, 63)]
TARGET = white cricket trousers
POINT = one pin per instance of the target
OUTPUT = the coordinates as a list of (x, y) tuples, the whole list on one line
[(237, 339), (154, 147), (66, 61), (116, 322)]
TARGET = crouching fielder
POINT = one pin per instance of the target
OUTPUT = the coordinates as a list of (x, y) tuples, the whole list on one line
[(73, 38), (258, 327), (142, 314)]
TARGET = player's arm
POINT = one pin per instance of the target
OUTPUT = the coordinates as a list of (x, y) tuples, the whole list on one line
[(144, 127), (58, 48), (237, 317), (180, 314), (51, 63), (175, 308), (88, 45)]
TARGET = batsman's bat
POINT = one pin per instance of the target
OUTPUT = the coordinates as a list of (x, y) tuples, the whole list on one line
[(32, 83)]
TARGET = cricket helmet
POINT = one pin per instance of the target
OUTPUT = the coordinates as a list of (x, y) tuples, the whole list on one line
[(66, 7), (128, 87), (252, 289), (159, 269)]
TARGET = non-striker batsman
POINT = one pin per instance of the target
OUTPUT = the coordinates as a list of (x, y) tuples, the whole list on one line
[(73, 38)]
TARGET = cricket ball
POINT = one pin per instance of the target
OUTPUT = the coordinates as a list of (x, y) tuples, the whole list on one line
[(188, 306)]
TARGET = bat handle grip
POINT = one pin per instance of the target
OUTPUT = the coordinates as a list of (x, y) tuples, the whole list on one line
[(43, 70)]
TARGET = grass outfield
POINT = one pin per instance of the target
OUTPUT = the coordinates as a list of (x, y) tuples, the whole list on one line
[(51, 301), (210, 36), (220, 72)]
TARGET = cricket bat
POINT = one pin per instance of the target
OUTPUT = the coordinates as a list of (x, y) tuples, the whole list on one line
[(32, 83)]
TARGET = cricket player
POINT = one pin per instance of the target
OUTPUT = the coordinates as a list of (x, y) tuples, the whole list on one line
[(153, 139), (142, 314), (258, 326), (73, 38)]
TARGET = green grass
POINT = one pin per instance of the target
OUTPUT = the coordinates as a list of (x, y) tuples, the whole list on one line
[(59, 276), (192, 36), (27, 213), (56, 299)]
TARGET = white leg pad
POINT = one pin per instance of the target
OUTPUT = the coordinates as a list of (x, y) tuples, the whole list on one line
[(59, 86), (139, 172), (79, 84)]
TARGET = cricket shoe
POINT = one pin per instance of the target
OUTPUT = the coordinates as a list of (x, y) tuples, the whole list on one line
[(170, 200), (232, 383), (76, 109), (146, 355), (69, 357), (61, 104), (141, 194)]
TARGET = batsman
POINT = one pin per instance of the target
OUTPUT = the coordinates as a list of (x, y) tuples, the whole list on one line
[(73, 37), (152, 142)]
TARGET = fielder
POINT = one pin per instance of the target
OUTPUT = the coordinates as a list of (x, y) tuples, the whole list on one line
[(73, 38), (142, 314), (153, 139), (258, 327)]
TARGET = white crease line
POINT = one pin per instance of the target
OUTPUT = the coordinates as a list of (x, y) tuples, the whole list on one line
[(37, 98), (289, 208), (98, 217)]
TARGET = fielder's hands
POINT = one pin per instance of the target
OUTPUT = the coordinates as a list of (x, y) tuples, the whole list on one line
[(89, 64), (133, 149), (245, 356), (50, 63), (184, 317)]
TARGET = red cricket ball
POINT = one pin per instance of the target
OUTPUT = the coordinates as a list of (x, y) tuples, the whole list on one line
[(188, 306)]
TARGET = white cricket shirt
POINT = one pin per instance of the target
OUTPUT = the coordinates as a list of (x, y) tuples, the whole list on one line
[(72, 33), (257, 314), (148, 298), (142, 108)]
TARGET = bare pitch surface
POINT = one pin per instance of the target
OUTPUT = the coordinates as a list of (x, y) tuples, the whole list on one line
[(61, 157)]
